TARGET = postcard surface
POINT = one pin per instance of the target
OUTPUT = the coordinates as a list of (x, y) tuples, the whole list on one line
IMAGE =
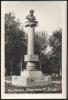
[(33, 49)]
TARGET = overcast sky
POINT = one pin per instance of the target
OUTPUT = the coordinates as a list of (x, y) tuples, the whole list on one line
[(48, 14)]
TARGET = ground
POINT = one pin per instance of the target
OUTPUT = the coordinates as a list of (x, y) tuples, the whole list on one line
[(55, 87)]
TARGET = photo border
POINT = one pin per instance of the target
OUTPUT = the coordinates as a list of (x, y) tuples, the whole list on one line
[(64, 30)]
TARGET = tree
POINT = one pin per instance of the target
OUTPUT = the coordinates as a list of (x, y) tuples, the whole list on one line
[(56, 42), (15, 43), (41, 43)]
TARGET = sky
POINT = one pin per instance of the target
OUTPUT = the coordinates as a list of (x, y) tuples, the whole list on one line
[(48, 14)]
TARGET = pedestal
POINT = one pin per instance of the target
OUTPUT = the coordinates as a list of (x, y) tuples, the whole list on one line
[(31, 79), (31, 76), (31, 59)]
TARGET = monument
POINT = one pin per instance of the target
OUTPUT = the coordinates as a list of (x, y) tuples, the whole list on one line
[(31, 76), (31, 58)]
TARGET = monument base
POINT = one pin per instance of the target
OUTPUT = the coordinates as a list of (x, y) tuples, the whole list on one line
[(31, 78)]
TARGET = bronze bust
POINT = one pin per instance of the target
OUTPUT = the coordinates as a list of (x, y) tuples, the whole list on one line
[(31, 17)]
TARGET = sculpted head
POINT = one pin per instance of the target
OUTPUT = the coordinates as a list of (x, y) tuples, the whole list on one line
[(31, 12), (31, 19)]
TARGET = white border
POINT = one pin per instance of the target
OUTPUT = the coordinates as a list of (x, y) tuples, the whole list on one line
[(64, 68)]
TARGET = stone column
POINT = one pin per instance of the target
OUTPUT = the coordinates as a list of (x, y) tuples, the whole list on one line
[(31, 58), (30, 48)]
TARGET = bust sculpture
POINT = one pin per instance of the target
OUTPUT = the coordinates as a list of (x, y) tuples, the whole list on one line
[(31, 20), (31, 17)]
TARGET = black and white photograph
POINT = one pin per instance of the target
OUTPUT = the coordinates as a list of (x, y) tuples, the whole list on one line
[(33, 49)]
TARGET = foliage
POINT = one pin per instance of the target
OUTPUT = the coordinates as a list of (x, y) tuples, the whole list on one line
[(41, 43), (56, 41), (49, 51), (55, 58), (14, 42), (15, 47)]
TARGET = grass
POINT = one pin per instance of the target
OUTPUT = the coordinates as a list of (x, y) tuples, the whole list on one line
[(55, 87)]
